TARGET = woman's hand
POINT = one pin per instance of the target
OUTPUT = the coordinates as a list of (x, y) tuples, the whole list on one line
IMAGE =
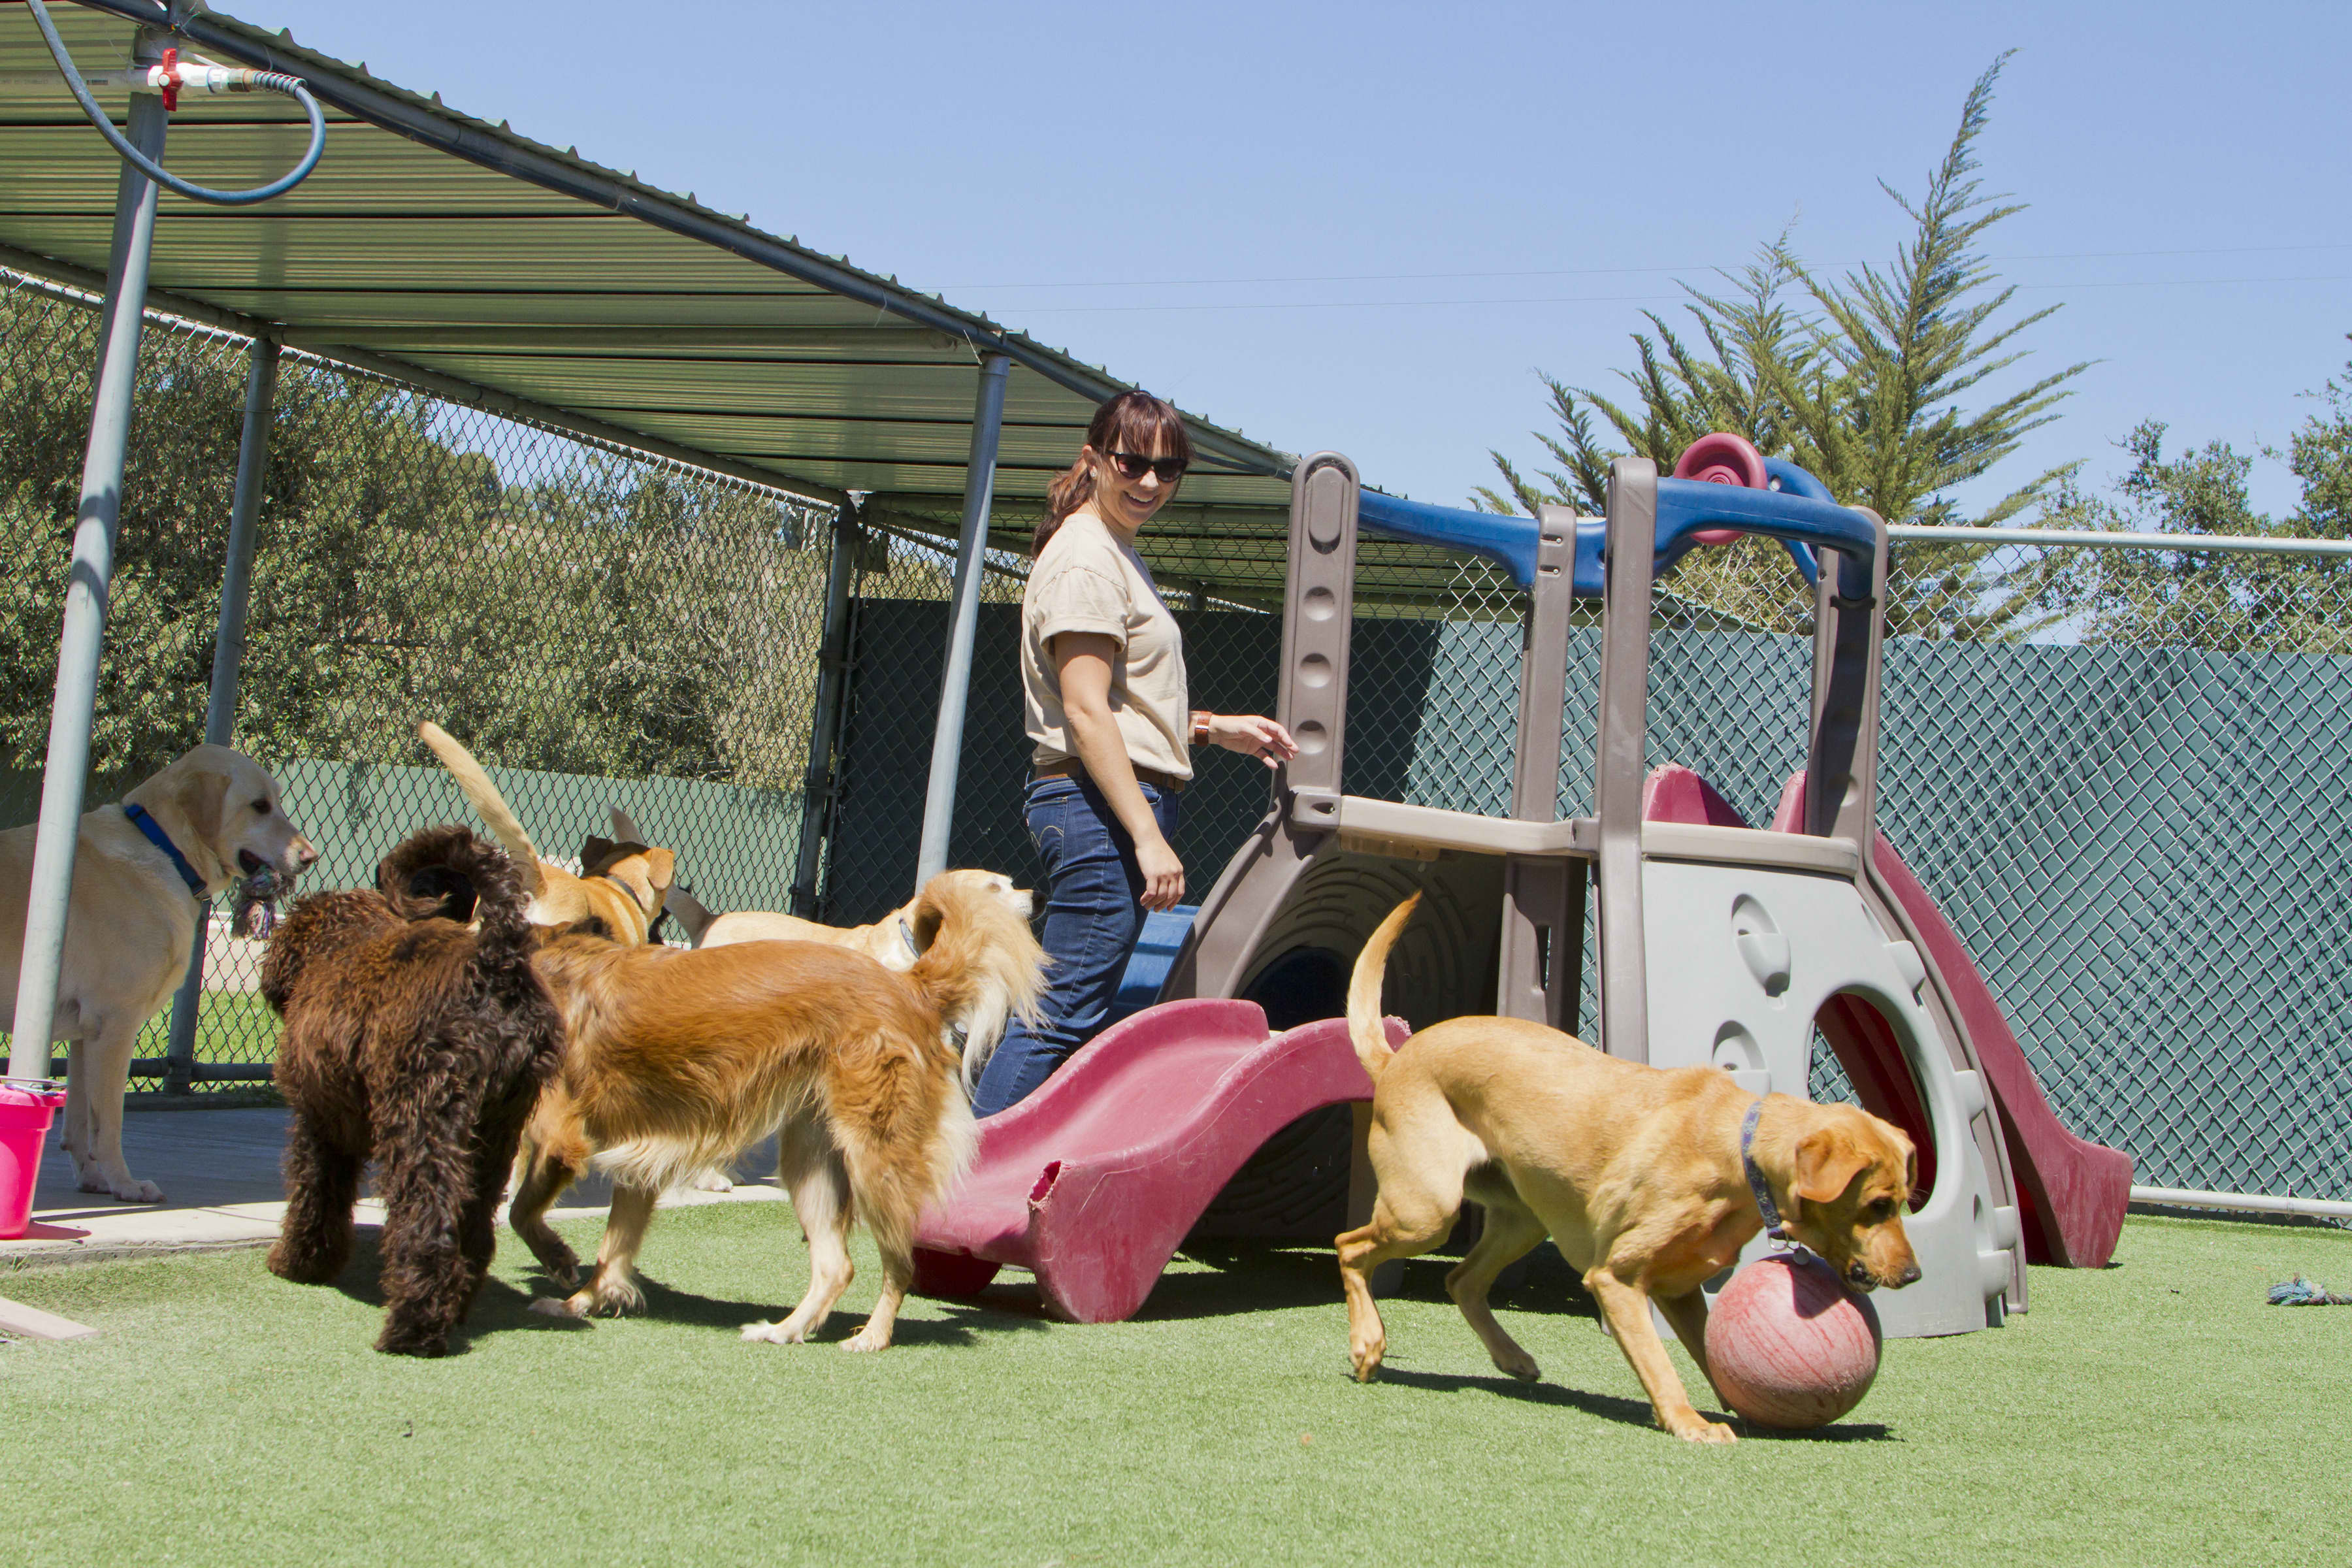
[(1163, 874), (1252, 735)]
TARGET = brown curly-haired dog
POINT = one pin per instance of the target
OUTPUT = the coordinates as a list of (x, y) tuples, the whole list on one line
[(417, 1040)]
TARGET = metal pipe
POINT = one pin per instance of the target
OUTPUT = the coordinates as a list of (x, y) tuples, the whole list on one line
[(228, 654), (82, 640), (818, 785), (2111, 539), (2241, 1202), (955, 680)]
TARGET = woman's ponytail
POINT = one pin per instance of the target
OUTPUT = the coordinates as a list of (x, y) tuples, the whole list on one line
[(1071, 488)]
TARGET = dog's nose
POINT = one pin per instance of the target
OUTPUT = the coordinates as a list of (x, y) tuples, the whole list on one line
[(1910, 1275), (306, 854)]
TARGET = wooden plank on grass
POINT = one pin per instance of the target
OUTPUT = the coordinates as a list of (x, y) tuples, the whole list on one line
[(31, 1322)]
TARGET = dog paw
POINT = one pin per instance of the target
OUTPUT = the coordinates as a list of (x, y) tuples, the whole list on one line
[(127, 1189), (1366, 1363), (867, 1339), (608, 1301), (553, 1306), (1521, 1366), (712, 1181), (785, 1333), (1703, 1431)]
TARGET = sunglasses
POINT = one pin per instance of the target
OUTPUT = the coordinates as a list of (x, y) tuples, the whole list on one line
[(1132, 468)]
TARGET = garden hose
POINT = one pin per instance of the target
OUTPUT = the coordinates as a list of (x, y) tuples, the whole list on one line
[(169, 77)]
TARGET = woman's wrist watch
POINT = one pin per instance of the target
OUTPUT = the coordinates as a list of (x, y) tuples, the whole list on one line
[(1200, 718)]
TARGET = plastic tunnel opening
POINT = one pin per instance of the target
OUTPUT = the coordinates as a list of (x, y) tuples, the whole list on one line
[(1858, 1058)]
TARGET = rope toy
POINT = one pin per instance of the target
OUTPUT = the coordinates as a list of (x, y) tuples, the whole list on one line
[(2300, 1292)]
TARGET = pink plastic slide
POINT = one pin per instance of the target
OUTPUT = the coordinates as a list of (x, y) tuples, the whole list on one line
[(1092, 1182)]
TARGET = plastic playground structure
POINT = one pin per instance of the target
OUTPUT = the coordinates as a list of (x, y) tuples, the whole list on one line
[(1718, 944)]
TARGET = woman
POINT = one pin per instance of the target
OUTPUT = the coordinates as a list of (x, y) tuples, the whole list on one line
[(1103, 696)]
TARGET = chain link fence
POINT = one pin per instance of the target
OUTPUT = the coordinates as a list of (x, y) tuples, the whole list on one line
[(2118, 770), (601, 628)]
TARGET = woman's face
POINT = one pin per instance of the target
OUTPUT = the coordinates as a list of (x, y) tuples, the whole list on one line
[(1127, 504)]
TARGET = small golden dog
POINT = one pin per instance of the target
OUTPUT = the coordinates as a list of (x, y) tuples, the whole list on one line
[(681, 1058), (620, 883), (1638, 1172)]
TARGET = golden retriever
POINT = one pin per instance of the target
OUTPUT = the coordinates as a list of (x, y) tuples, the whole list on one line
[(133, 924), (679, 1060), (1638, 1172), (620, 883), (895, 941)]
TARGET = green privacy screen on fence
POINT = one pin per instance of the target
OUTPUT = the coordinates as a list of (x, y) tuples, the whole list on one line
[(2143, 849)]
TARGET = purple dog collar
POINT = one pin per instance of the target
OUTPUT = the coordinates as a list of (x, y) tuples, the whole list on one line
[(1757, 1185)]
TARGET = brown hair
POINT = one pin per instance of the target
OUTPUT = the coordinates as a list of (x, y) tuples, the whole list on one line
[(1131, 422)]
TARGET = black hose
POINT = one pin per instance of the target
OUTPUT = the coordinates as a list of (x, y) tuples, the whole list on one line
[(274, 82)]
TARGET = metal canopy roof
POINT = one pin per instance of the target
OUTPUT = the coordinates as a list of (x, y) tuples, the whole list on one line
[(463, 256)]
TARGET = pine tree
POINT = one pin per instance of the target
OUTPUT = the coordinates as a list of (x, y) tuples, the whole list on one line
[(1864, 387)]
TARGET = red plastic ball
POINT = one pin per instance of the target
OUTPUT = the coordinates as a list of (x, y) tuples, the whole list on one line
[(1789, 1345)]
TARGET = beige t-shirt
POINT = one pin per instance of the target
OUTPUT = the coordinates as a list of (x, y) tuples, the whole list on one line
[(1086, 581)]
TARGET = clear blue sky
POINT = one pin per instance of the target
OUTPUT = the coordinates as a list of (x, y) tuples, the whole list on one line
[(1367, 227)]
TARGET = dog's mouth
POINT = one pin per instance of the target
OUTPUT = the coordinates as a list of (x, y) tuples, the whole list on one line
[(1858, 1275), (255, 913)]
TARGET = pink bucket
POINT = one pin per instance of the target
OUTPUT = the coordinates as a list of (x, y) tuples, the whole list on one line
[(25, 1114)]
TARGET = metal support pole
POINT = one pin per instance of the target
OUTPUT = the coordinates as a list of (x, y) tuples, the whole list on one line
[(83, 638), (228, 654), (955, 682), (818, 785)]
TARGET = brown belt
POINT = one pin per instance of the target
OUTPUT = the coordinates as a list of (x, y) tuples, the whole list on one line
[(1166, 783)]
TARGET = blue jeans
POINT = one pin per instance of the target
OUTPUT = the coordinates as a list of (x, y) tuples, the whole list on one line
[(1093, 916)]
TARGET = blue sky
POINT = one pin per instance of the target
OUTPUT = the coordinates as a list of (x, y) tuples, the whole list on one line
[(1367, 228)]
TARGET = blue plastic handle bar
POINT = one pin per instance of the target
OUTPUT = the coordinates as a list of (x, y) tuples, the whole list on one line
[(1509, 541), (1800, 514), (1791, 480)]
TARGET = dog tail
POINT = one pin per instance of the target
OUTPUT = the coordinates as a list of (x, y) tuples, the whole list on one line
[(1364, 1028), (488, 804), (455, 873), (979, 968), (693, 916)]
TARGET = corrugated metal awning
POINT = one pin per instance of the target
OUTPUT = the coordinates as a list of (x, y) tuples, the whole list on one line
[(457, 254)]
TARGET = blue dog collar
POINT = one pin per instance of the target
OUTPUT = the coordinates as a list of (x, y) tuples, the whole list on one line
[(1757, 1185), (163, 840)]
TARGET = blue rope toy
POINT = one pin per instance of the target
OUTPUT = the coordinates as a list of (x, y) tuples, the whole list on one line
[(2300, 1292)]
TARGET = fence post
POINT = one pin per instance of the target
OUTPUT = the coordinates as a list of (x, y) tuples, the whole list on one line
[(818, 785), (83, 638), (228, 654), (955, 680)]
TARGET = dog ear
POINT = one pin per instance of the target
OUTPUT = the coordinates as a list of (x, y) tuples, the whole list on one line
[(1828, 1160), (592, 854), (661, 867), (623, 827), (202, 799)]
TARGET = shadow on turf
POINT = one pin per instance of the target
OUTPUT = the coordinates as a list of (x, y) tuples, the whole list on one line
[(1613, 1407), (1242, 1278), (498, 1306)]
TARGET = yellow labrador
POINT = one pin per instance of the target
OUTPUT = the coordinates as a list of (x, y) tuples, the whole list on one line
[(132, 922)]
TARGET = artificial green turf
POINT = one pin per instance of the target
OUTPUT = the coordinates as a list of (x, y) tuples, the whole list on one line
[(2154, 1411)]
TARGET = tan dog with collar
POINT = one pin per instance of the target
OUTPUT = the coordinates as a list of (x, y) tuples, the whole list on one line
[(1639, 1173), (131, 923), (621, 883)]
